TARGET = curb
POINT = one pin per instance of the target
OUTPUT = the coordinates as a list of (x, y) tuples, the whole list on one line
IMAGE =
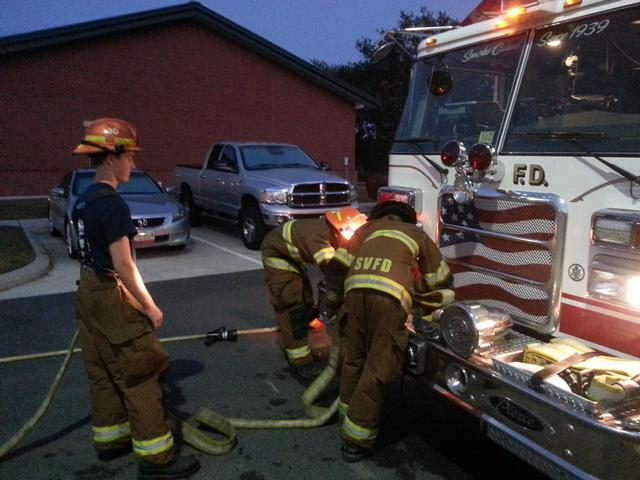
[(35, 269)]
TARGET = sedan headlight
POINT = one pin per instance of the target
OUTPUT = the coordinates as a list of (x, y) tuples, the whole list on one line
[(274, 196), (178, 215)]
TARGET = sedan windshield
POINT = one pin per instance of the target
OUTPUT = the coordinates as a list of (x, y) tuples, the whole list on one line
[(139, 183), (261, 157)]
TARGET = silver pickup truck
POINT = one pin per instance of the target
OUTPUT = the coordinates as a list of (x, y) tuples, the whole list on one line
[(260, 185)]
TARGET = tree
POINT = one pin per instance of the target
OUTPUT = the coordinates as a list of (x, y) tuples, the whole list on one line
[(388, 81)]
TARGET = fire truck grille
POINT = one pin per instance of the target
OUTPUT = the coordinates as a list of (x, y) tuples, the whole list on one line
[(308, 195), (500, 250)]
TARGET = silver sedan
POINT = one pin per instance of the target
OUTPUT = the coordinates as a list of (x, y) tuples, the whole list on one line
[(158, 217)]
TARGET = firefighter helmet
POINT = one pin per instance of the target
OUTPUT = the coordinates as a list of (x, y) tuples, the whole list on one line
[(346, 220), (110, 135), (391, 207)]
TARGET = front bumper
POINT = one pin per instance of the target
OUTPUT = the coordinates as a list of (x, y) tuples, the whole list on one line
[(274, 215)]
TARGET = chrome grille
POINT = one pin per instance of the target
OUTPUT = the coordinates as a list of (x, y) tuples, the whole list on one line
[(504, 250), (319, 195), (148, 222)]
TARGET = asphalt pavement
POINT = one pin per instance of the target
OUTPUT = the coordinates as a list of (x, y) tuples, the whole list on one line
[(423, 436)]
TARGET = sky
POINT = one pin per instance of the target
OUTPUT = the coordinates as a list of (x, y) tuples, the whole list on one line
[(311, 29)]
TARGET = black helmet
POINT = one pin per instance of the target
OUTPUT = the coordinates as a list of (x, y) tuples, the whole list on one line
[(399, 209)]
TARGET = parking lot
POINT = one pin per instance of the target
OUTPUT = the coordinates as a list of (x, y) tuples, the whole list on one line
[(214, 282)]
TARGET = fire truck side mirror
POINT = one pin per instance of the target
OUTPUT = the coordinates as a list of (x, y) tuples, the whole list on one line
[(440, 83)]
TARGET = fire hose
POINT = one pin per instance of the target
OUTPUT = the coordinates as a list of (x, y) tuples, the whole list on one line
[(317, 416)]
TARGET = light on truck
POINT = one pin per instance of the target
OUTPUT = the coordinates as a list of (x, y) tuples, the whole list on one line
[(613, 231), (571, 3), (274, 196), (511, 16), (453, 153), (480, 156), (398, 194), (615, 286), (431, 41)]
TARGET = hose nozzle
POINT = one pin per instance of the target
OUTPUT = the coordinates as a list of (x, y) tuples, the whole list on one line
[(221, 335)]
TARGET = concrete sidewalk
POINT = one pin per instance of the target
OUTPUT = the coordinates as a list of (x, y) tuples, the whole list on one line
[(37, 268)]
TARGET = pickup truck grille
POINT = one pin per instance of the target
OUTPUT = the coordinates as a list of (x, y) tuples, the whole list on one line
[(319, 195)]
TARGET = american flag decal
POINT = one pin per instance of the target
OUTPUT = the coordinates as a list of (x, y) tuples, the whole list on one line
[(498, 251)]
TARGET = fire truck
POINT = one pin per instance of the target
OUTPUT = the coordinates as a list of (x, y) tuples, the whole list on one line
[(519, 147)]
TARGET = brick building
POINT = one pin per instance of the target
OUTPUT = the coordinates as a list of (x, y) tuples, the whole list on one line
[(186, 76)]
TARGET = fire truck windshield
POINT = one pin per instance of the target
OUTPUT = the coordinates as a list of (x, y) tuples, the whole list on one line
[(581, 78), (472, 111)]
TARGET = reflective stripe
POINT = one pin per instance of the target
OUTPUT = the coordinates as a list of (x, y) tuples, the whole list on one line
[(439, 275), (111, 433), (325, 254), (342, 409), (298, 353), (117, 140), (279, 264), (287, 235), (382, 284), (447, 296), (154, 446), (344, 257), (398, 235), (361, 434)]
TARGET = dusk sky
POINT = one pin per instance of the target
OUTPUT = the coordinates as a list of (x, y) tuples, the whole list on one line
[(311, 29)]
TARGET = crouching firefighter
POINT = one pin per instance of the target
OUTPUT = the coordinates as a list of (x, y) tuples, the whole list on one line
[(391, 263), (117, 316), (285, 251)]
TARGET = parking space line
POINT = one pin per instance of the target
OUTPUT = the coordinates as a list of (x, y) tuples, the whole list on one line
[(246, 257)]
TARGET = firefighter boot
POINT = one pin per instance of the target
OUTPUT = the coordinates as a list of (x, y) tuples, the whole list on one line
[(179, 467), (308, 371), (354, 453)]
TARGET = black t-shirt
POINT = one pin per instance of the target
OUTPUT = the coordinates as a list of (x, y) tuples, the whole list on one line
[(106, 220)]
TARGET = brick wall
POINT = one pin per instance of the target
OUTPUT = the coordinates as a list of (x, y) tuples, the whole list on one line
[(181, 84)]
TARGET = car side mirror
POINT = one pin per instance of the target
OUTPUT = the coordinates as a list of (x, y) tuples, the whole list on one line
[(325, 166), (440, 83), (59, 192)]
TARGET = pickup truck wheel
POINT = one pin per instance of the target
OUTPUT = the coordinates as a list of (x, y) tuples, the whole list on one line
[(192, 212), (252, 228)]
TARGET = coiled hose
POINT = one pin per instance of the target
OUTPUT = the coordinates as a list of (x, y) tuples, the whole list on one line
[(317, 415)]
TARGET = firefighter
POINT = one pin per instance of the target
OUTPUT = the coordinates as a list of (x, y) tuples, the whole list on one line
[(390, 262), (117, 316), (285, 251)]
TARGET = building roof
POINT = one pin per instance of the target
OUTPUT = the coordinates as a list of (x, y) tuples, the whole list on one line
[(193, 11)]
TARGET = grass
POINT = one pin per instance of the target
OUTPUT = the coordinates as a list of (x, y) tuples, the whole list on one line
[(15, 249), (17, 209)]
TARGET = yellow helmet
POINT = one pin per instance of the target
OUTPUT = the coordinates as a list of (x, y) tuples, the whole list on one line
[(346, 220), (110, 135)]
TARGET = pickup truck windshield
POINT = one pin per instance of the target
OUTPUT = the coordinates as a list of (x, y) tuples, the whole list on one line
[(582, 78), (262, 157), (473, 109), (139, 183)]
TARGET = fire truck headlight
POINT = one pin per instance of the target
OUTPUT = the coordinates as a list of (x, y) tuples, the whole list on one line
[(613, 231), (615, 286)]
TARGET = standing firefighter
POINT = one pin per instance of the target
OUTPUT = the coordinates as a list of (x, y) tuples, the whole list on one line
[(285, 251), (116, 315), (386, 257)]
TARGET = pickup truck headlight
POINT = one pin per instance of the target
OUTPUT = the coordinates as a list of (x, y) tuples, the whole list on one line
[(353, 193), (274, 196)]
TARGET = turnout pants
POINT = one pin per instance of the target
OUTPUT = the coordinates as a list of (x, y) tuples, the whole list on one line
[(122, 358), (376, 342), (291, 296)]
